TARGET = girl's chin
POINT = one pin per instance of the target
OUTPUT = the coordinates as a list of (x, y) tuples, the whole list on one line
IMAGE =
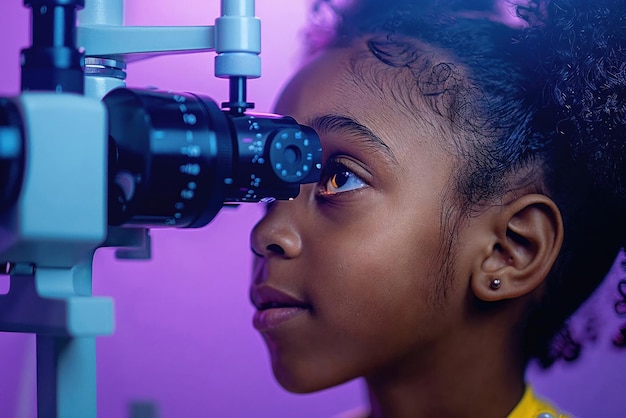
[(303, 382)]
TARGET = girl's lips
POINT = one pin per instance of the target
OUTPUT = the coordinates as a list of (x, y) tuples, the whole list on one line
[(274, 306), (267, 319)]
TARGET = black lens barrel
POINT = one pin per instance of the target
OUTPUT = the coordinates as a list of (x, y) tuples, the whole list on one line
[(166, 164), (176, 158)]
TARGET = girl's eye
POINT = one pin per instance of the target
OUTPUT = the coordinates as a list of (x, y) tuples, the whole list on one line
[(340, 179)]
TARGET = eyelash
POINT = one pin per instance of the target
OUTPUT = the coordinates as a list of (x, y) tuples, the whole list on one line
[(330, 178)]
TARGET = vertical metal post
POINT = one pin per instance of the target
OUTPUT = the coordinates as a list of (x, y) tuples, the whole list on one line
[(102, 74), (53, 62), (66, 376)]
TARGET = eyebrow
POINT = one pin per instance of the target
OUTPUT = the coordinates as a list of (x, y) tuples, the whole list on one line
[(358, 133)]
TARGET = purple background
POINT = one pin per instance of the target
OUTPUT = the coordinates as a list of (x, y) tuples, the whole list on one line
[(184, 341)]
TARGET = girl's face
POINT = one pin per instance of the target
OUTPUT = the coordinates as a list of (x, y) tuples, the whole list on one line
[(350, 278)]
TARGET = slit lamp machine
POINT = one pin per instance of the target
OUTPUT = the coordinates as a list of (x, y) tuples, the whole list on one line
[(86, 162)]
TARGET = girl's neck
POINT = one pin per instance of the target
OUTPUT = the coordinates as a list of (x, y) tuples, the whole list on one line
[(469, 380)]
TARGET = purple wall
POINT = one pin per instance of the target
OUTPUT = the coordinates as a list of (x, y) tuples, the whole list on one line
[(183, 339)]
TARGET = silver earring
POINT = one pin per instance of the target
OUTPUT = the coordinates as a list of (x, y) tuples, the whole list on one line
[(495, 284)]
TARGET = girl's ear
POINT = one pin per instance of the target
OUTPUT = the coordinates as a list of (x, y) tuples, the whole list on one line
[(527, 235)]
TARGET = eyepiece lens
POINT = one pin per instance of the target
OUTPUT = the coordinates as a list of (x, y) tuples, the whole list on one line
[(292, 155)]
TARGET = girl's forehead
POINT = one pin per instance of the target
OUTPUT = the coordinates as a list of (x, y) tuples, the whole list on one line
[(405, 73), (352, 82), (353, 73)]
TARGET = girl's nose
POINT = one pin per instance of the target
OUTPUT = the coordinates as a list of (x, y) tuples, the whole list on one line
[(276, 234)]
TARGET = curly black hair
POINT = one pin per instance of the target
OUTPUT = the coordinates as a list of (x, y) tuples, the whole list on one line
[(544, 95)]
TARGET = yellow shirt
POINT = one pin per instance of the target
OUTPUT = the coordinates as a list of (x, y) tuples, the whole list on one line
[(532, 407)]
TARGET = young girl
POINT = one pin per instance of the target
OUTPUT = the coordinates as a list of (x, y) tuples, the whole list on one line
[(472, 198)]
